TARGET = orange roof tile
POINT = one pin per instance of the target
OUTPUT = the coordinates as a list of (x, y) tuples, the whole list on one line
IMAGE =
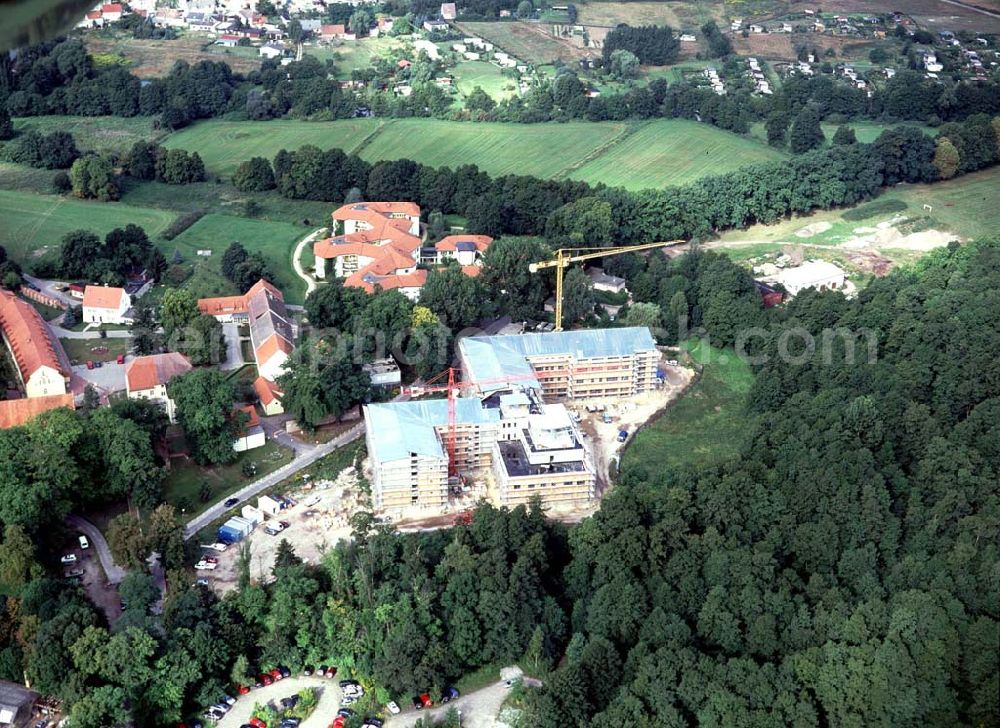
[(271, 346), (254, 420), (14, 412), (446, 244), (267, 391), (332, 30), (228, 305), (103, 297), (368, 281), (30, 338), (146, 372), (472, 270)]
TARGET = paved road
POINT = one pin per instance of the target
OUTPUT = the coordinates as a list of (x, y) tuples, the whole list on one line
[(297, 265), (114, 572), (305, 455), (973, 8), (49, 289), (326, 708)]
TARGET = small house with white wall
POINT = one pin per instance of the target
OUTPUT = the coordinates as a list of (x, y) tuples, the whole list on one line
[(252, 435), (106, 305), (818, 274)]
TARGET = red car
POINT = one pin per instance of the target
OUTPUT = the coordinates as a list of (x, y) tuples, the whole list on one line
[(339, 722), (120, 359), (257, 723), (242, 689), (265, 679), (276, 674), (331, 671)]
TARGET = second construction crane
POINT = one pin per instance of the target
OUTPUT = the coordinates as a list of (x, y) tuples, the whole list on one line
[(565, 256)]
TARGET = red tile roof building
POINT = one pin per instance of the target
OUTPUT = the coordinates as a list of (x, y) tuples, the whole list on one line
[(378, 244), (146, 377), (42, 364), (269, 395), (263, 307), (15, 412)]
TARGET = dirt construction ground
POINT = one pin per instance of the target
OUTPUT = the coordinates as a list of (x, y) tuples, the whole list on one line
[(318, 521)]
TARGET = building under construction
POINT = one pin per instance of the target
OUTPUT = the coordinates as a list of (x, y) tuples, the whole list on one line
[(509, 418)]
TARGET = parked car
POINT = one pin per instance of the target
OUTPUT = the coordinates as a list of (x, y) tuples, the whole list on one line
[(205, 566), (289, 701), (201, 581), (98, 363), (311, 500), (257, 723), (276, 674), (449, 694), (215, 546), (392, 707), (348, 699), (73, 573), (289, 723), (622, 435), (229, 700), (284, 525), (265, 679), (331, 672), (321, 671), (230, 502), (345, 713), (339, 722), (120, 359), (68, 559), (90, 364), (210, 559), (372, 723), (418, 704), (285, 672), (307, 670), (84, 543), (242, 689)]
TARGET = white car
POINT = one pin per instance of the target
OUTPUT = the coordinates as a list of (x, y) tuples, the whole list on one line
[(215, 546), (68, 559), (311, 500), (84, 543), (205, 566), (392, 707)]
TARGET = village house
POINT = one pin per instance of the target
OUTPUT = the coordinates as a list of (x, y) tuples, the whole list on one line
[(436, 25), (271, 50), (818, 274), (269, 395), (448, 11), (252, 435), (332, 32), (601, 281), (466, 250), (271, 331), (106, 305), (112, 12), (146, 377)]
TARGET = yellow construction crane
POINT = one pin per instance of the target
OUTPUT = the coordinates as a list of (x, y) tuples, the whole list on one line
[(565, 256)]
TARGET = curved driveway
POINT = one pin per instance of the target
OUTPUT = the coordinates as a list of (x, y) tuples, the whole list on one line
[(113, 571), (297, 264), (322, 716)]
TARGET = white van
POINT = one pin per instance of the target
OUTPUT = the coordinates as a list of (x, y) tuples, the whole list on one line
[(84, 543)]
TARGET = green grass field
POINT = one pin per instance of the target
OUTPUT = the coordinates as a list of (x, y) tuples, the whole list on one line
[(865, 131), (275, 240), (98, 133), (662, 152), (469, 74), (542, 150), (702, 426), (34, 224), (224, 144), (672, 151)]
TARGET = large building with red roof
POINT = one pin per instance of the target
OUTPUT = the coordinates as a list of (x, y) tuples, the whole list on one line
[(271, 334), (378, 244), (42, 365)]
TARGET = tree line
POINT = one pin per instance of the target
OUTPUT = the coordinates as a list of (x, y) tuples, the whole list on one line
[(652, 44), (569, 211), (58, 77)]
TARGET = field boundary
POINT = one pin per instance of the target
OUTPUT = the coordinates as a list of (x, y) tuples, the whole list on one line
[(369, 138), (600, 150)]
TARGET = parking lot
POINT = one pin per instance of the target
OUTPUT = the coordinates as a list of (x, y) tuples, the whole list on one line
[(322, 716)]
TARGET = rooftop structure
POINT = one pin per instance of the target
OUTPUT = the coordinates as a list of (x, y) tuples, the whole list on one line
[(42, 364), (818, 274), (16, 702), (146, 377), (584, 364), (106, 304), (15, 412), (271, 332)]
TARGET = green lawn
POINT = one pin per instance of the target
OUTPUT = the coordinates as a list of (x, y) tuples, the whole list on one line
[(224, 144), (350, 55), (34, 224), (182, 486), (81, 350), (469, 74), (275, 240), (704, 425), (114, 133), (672, 151)]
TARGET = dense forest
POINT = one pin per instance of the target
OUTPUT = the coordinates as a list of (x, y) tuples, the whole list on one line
[(840, 570), (651, 44)]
